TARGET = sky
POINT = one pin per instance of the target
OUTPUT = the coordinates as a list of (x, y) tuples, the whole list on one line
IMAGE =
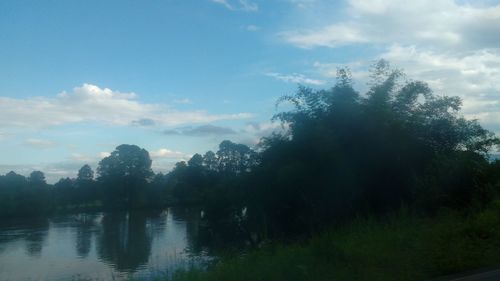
[(176, 77)]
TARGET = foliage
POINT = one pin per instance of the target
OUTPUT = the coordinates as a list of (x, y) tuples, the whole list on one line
[(85, 173), (37, 178), (124, 173), (347, 153), (400, 246), (344, 154)]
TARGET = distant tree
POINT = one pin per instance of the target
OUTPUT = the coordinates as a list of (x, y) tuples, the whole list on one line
[(87, 190), (180, 166), (126, 162), (37, 178), (85, 173), (210, 161), (65, 183), (196, 161), (125, 172), (12, 180), (158, 192), (235, 158), (65, 191)]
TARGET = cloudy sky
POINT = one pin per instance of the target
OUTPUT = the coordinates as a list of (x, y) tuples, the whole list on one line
[(78, 78)]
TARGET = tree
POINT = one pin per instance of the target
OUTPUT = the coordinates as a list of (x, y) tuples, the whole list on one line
[(65, 183), (37, 178), (235, 158), (196, 161), (65, 191), (346, 153), (126, 162), (14, 180), (210, 161), (86, 187), (85, 173), (125, 172)]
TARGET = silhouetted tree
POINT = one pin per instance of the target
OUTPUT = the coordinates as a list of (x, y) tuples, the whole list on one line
[(196, 161), (11, 179), (345, 153), (124, 173), (86, 187), (37, 178), (85, 173), (210, 161), (235, 158)]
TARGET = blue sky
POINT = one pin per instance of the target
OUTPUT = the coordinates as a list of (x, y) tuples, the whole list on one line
[(79, 78)]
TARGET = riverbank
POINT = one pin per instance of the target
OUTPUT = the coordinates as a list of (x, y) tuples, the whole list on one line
[(400, 247)]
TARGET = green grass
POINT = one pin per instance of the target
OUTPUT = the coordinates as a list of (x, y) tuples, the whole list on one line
[(399, 247)]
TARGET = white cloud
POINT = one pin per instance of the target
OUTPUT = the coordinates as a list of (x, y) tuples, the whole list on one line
[(104, 154), (223, 3), (39, 143), (474, 77), (242, 5), (295, 78), (90, 103), (437, 23), (167, 153), (252, 28), (330, 36), (164, 159), (254, 132), (452, 45), (77, 157)]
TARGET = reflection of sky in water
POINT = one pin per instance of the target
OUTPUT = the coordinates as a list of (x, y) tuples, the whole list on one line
[(93, 246)]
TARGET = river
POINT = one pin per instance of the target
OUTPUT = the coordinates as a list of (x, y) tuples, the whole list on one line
[(101, 246)]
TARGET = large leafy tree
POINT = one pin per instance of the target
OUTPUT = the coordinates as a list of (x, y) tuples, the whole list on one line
[(14, 180), (86, 190), (234, 158), (85, 173), (124, 173), (37, 178), (210, 161), (346, 153)]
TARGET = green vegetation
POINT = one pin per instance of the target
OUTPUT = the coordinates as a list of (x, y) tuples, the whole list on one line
[(343, 155), (397, 247), (125, 181)]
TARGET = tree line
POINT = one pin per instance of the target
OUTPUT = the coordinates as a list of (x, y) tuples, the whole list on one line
[(343, 154), (124, 180)]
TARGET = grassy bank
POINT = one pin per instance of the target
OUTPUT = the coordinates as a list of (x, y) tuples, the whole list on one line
[(399, 247)]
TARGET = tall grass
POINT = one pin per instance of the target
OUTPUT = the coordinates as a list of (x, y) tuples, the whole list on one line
[(399, 247)]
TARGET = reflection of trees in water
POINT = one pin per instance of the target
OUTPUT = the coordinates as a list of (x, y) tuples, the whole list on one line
[(125, 239), (85, 224), (36, 235), (208, 237), (156, 221), (32, 230), (192, 218)]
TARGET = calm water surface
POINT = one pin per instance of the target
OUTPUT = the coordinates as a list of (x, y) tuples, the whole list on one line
[(100, 245)]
